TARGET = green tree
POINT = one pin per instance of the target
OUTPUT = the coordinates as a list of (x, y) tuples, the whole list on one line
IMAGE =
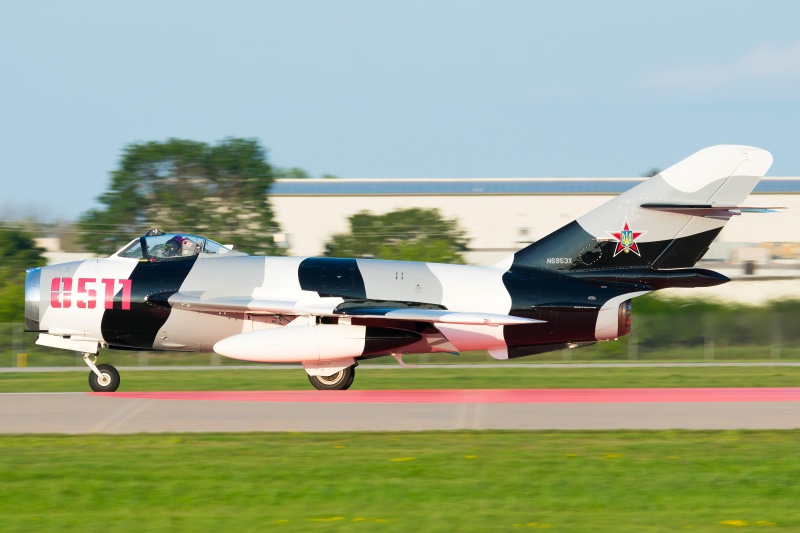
[(406, 234), (19, 253), (219, 191)]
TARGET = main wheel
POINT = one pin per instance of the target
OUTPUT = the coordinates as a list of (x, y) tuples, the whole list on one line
[(338, 381), (107, 381)]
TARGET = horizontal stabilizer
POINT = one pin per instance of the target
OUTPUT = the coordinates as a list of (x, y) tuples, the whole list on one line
[(711, 210), (658, 279)]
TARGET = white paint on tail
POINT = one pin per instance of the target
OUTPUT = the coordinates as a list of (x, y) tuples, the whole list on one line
[(715, 163)]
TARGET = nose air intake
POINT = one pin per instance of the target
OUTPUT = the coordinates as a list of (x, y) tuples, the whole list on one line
[(32, 299)]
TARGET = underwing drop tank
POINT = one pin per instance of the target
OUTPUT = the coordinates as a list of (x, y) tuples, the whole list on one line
[(322, 342)]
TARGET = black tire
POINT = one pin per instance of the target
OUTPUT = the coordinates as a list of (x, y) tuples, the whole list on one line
[(352, 378), (109, 382), (338, 381)]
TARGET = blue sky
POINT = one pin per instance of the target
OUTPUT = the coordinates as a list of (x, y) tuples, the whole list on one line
[(390, 89)]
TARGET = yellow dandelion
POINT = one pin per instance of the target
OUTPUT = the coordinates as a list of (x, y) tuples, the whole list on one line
[(402, 459), (571, 455), (612, 455), (736, 523), (338, 447), (470, 457)]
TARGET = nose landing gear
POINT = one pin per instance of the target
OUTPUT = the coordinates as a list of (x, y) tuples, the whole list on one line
[(102, 378)]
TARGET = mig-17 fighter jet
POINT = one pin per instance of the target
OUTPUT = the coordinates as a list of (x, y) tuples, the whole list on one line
[(182, 292)]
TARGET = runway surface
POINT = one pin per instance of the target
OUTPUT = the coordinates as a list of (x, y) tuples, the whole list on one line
[(401, 410)]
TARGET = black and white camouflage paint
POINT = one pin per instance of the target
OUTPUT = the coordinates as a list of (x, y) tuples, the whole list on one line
[(571, 288)]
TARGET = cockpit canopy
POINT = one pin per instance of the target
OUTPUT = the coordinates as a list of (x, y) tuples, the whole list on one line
[(157, 246)]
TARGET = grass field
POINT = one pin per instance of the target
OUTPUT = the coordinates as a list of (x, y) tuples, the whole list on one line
[(443, 481), (422, 378)]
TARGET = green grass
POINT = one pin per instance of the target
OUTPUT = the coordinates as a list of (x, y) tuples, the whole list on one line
[(423, 378), (430, 481)]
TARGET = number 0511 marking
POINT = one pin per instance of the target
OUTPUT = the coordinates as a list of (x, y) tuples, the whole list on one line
[(85, 292)]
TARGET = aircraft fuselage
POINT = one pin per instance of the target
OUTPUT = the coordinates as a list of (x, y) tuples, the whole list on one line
[(125, 303)]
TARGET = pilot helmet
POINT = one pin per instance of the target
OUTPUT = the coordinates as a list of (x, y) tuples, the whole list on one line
[(173, 246)]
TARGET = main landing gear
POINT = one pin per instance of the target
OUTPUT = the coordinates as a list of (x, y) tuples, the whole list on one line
[(341, 380), (102, 378)]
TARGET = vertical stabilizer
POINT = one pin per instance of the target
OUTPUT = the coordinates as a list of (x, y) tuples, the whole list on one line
[(669, 221)]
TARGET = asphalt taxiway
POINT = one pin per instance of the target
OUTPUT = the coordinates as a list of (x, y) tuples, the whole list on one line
[(400, 410)]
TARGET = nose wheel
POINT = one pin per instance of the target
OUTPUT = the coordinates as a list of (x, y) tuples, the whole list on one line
[(102, 378)]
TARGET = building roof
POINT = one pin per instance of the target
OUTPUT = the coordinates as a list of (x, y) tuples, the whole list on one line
[(483, 186)]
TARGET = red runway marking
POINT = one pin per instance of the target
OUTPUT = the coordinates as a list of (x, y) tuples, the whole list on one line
[(786, 394)]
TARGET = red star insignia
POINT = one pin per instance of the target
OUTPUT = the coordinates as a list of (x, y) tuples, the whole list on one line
[(626, 239)]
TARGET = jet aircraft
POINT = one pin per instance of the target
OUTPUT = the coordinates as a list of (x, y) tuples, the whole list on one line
[(572, 288)]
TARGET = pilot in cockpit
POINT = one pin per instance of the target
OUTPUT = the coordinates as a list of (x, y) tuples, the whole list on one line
[(173, 246), (177, 246)]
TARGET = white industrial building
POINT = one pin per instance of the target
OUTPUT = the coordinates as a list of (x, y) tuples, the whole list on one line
[(502, 215)]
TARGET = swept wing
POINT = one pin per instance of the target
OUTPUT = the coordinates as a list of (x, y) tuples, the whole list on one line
[(197, 301)]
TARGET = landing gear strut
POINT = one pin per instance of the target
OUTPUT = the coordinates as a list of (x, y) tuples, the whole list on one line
[(102, 378), (341, 380)]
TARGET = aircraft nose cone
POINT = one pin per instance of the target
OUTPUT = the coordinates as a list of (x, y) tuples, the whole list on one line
[(32, 298)]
